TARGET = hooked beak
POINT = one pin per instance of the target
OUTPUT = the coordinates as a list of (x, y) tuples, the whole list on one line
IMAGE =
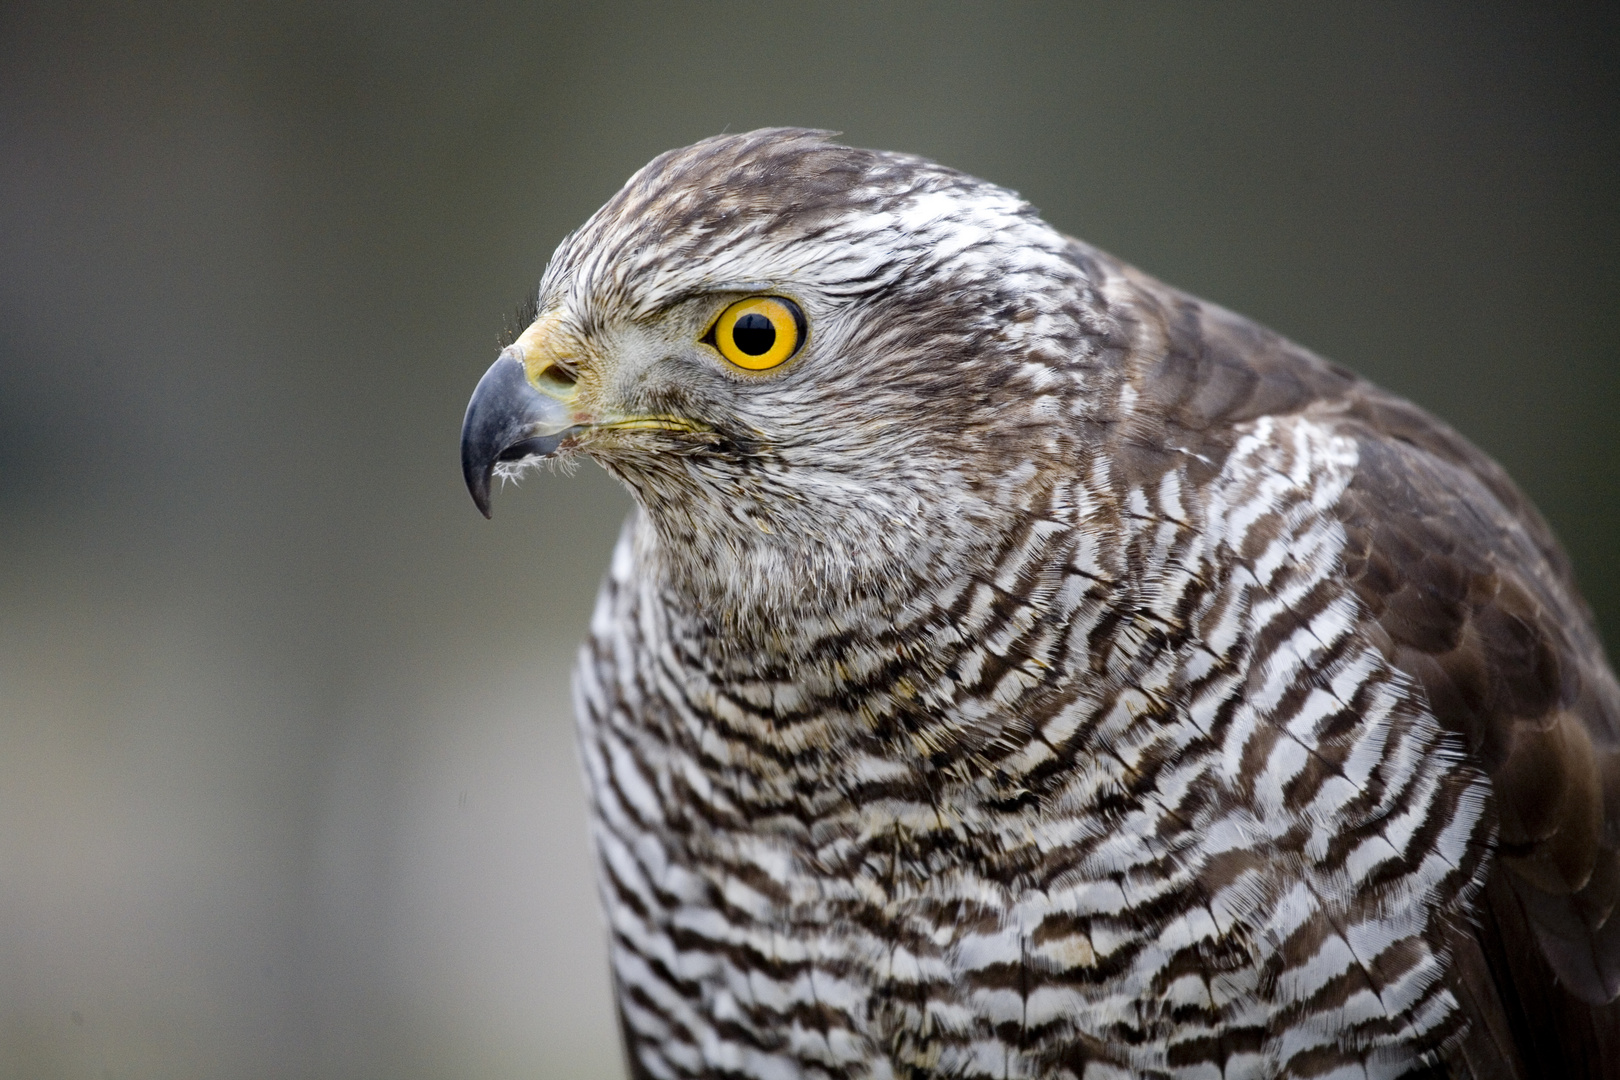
[(509, 418)]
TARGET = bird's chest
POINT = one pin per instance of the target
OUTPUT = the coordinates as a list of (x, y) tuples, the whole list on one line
[(1163, 816), (870, 908)]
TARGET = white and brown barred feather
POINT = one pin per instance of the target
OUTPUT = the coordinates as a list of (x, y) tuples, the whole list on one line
[(1050, 674)]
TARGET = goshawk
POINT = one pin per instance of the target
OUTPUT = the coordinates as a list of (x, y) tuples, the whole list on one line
[(1015, 667)]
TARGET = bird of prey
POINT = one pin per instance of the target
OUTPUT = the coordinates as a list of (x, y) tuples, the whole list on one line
[(1015, 667)]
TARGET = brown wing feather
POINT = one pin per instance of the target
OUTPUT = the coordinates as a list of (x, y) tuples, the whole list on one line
[(1468, 592)]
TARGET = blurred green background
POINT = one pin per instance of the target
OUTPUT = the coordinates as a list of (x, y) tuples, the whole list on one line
[(287, 782)]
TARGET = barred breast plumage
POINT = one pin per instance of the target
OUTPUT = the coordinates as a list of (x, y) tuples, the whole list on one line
[(1039, 672)]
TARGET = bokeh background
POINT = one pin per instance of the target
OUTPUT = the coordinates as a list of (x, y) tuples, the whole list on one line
[(287, 779)]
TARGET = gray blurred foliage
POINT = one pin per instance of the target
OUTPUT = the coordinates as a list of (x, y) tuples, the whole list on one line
[(287, 783)]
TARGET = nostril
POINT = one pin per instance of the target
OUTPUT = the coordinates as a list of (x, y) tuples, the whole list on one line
[(558, 379)]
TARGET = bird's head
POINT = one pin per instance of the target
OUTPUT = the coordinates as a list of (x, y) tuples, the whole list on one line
[(808, 363)]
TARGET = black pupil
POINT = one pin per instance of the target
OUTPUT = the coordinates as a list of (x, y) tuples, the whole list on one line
[(754, 334)]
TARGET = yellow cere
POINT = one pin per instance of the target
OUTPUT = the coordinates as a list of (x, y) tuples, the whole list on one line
[(759, 333)]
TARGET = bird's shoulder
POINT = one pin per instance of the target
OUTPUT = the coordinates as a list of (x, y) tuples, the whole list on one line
[(1465, 589)]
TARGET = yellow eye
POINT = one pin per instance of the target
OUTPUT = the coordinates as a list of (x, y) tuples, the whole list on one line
[(758, 333)]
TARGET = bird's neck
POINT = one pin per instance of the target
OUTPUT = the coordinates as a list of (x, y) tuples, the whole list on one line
[(761, 599)]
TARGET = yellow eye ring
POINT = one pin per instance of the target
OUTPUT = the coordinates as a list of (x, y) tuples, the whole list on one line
[(758, 333)]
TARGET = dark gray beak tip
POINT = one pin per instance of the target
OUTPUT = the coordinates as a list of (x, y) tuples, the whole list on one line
[(503, 423), (478, 485)]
